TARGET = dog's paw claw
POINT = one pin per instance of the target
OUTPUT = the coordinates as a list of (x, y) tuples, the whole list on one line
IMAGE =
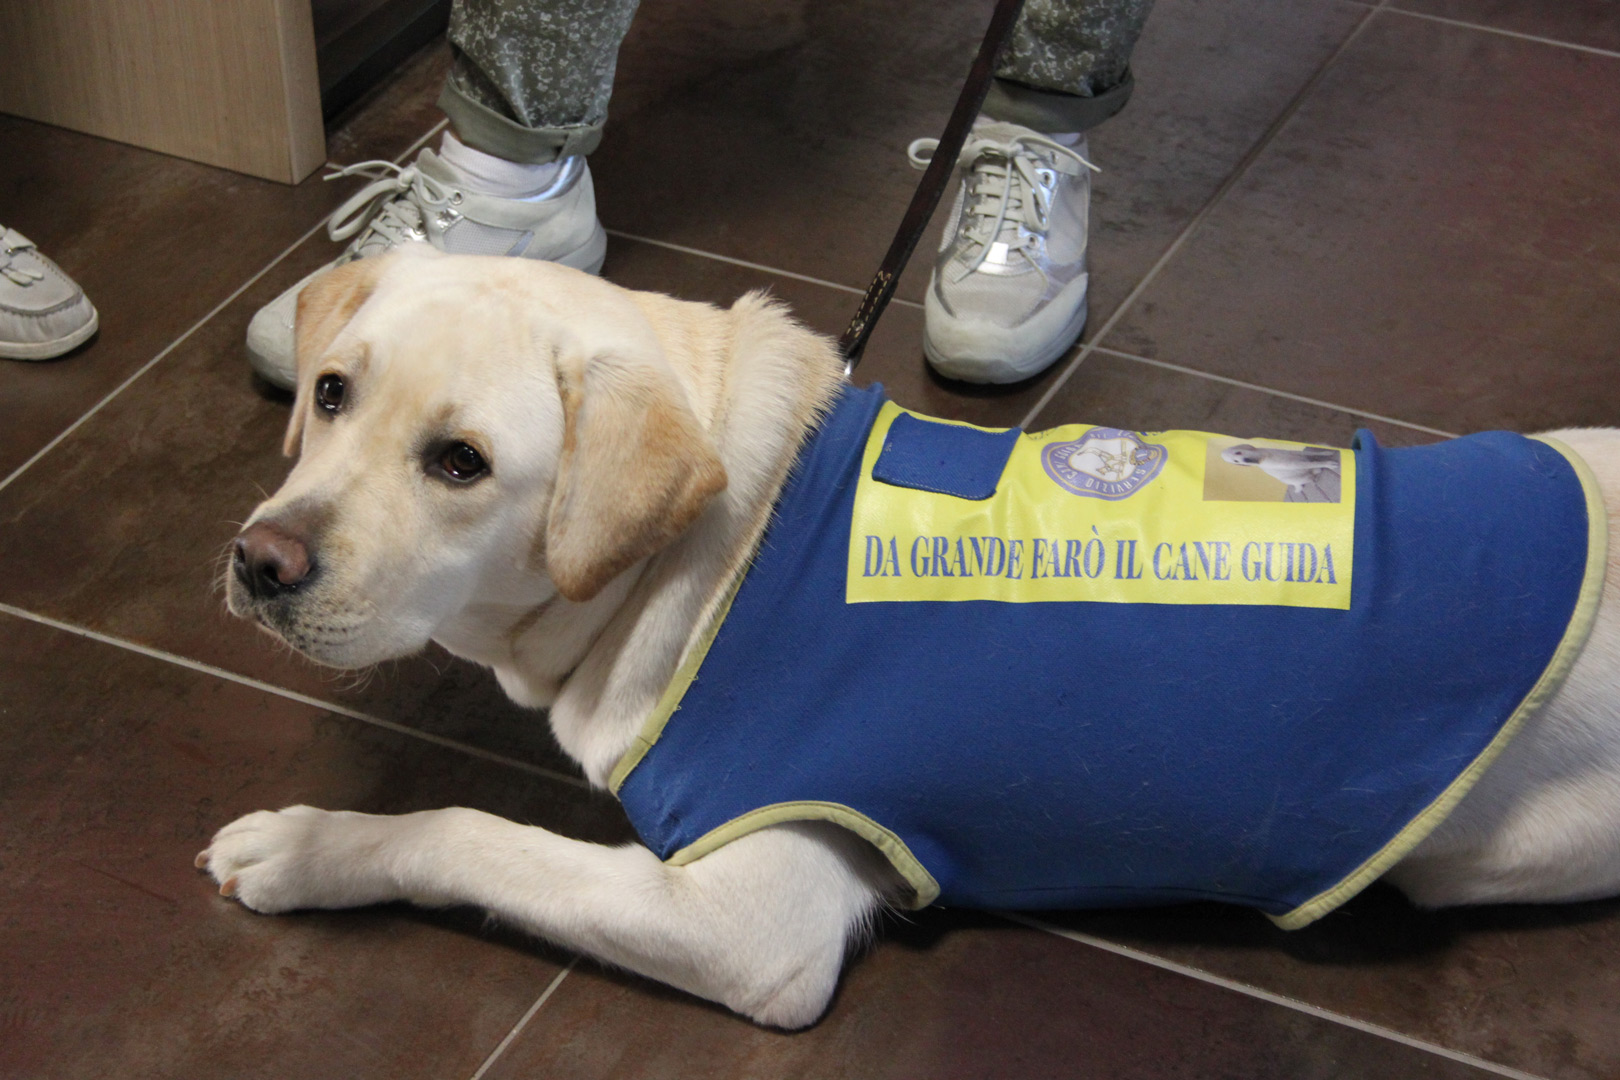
[(201, 861), (229, 888)]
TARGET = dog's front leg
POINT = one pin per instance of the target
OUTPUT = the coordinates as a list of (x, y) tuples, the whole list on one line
[(761, 925)]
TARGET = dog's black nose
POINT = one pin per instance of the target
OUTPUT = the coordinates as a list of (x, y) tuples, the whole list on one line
[(270, 560)]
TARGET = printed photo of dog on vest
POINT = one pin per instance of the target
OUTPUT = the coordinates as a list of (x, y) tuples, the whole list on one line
[(1310, 474)]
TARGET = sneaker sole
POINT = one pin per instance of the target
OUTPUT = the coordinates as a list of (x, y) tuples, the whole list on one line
[(996, 372), (269, 371), (47, 350)]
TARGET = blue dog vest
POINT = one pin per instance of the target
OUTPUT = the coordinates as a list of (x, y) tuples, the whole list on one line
[(1090, 667)]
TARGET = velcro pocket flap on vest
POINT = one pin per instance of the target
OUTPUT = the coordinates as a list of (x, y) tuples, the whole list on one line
[(948, 459)]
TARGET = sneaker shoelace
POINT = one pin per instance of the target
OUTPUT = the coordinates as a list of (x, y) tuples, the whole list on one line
[(1005, 191), (389, 211), (17, 275)]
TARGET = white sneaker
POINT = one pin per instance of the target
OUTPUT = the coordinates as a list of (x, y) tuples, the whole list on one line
[(424, 203), (43, 312), (1007, 295)]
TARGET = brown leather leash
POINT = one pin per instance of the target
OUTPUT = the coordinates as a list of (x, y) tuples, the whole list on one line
[(932, 185)]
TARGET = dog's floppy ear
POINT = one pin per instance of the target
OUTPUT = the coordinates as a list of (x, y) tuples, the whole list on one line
[(325, 307), (636, 469)]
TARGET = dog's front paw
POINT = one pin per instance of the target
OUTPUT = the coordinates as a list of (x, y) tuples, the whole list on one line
[(300, 857)]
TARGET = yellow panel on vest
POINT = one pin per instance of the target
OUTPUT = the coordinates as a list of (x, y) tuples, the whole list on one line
[(1092, 513)]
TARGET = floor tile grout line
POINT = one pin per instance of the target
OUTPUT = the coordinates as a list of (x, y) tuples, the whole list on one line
[(1272, 391), (1268, 996), (778, 271), (523, 1022), (1241, 170), (293, 695), (177, 342), (1611, 53)]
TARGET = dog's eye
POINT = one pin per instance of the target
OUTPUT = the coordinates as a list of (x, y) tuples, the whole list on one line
[(461, 462), (329, 392)]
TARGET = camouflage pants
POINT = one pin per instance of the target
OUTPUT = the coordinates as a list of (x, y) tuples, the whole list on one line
[(532, 78)]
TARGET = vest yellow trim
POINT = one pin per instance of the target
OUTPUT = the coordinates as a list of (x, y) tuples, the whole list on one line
[(670, 700), (924, 888), (1569, 648)]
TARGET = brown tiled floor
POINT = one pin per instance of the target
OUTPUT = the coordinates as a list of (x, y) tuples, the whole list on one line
[(1315, 215)]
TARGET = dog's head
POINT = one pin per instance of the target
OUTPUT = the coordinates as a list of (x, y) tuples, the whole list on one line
[(470, 430), (1243, 454)]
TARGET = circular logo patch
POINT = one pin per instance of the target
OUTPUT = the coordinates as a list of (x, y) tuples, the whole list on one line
[(1104, 463)]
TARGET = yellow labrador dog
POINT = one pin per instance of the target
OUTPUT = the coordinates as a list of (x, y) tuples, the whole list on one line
[(557, 478)]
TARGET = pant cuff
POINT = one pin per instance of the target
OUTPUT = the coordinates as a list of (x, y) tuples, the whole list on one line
[(1052, 111), (482, 128)]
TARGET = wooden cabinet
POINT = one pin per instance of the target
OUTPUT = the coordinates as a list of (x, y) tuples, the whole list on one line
[(232, 83)]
